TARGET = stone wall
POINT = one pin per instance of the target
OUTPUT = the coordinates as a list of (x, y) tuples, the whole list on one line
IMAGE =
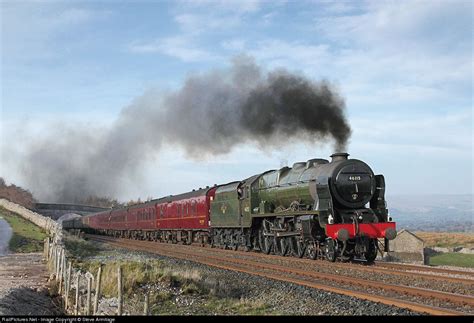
[(49, 225)]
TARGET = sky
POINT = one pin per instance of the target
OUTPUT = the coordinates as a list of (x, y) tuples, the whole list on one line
[(404, 69)]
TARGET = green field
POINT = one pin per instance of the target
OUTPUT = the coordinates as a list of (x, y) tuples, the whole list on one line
[(26, 237), (453, 259)]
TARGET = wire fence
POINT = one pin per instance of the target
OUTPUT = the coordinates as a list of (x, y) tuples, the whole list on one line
[(80, 291)]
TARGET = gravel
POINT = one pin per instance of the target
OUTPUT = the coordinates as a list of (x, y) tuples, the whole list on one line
[(276, 296)]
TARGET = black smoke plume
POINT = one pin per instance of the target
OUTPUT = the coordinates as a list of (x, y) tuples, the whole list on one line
[(209, 115)]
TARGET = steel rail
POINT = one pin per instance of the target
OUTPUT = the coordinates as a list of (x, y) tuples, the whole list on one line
[(373, 269), (217, 262), (406, 267)]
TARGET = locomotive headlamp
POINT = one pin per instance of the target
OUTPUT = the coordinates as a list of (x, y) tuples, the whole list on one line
[(330, 219)]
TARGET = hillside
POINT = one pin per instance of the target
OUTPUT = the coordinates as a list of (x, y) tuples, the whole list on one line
[(447, 239), (442, 213)]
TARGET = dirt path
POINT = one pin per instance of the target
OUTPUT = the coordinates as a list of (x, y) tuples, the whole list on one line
[(23, 291)]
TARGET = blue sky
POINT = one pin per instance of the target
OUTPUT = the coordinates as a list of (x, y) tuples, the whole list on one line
[(403, 67)]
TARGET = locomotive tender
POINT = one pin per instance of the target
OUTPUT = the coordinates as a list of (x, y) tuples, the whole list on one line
[(333, 210)]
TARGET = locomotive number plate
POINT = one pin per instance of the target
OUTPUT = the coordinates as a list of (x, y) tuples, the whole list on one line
[(354, 178)]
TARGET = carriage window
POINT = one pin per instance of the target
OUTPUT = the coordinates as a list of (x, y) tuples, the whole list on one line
[(187, 208), (194, 205)]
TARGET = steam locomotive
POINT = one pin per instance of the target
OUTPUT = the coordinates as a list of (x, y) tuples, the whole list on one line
[(319, 209)]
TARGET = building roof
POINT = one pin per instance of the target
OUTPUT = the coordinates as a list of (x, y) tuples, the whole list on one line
[(402, 231)]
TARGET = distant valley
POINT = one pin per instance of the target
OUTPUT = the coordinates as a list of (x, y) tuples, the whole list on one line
[(441, 213)]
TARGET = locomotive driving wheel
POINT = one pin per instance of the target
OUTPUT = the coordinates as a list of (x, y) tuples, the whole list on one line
[(265, 240), (298, 247), (234, 245), (331, 250), (281, 244), (313, 250)]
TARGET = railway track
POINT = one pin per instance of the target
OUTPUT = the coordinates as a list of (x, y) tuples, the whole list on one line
[(401, 270), (414, 269), (361, 288)]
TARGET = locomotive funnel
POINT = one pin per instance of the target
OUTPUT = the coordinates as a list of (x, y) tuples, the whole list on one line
[(339, 156)]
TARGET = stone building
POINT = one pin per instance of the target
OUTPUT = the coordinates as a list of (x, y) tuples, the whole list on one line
[(407, 247)]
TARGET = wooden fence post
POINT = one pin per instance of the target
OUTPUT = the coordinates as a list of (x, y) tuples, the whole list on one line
[(145, 310), (49, 249), (97, 290), (68, 283), (46, 248), (58, 254), (55, 261), (53, 258), (64, 268), (76, 307), (51, 252), (89, 287), (119, 288), (61, 271)]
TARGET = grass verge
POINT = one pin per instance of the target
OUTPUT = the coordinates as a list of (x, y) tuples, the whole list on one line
[(139, 276), (453, 259), (172, 289), (27, 237), (79, 248)]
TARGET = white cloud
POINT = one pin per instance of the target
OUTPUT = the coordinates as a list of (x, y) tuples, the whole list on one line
[(179, 47), (391, 51), (234, 44), (401, 25), (451, 132), (238, 6), (209, 22), (296, 54)]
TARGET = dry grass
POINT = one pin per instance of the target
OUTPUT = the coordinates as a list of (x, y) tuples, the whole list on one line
[(447, 239), (136, 274)]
